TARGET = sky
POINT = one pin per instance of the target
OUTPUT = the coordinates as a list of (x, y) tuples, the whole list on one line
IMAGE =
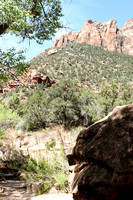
[(76, 13)]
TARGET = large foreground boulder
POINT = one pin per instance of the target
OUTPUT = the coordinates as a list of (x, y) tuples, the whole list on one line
[(102, 158)]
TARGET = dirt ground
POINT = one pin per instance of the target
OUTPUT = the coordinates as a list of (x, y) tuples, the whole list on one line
[(14, 190), (17, 190)]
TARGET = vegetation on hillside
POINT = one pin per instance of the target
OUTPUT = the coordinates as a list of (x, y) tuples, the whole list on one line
[(64, 103), (90, 65)]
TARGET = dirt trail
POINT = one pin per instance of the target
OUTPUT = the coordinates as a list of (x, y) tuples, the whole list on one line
[(17, 190), (14, 190)]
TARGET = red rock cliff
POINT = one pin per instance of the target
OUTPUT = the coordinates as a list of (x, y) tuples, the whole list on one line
[(103, 34)]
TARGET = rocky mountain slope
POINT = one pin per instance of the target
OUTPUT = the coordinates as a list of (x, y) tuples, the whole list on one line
[(106, 34), (83, 56), (88, 64)]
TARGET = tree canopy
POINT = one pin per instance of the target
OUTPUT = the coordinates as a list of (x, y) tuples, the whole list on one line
[(32, 19)]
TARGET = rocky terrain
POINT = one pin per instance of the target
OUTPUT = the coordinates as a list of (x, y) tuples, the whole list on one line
[(106, 34), (32, 77), (102, 158), (14, 190)]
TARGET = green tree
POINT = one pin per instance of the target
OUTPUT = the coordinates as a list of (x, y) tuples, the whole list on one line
[(113, 94), (107, 96), (28, 19), (88, 106), (35, 111), (125, 95), (8, 118), (63, 99)]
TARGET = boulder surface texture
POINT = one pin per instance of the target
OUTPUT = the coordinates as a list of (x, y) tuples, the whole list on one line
[(102, 158)]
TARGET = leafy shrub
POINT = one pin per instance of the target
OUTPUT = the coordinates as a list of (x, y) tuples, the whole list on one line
[(8, 118), (51, 173), (14, 102)]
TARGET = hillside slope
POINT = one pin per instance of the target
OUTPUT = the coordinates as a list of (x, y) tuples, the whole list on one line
[(88, 64)]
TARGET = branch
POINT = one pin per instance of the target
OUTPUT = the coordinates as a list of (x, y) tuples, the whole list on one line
[(34, 5), (3, 28), (45, 13), (33, 9)]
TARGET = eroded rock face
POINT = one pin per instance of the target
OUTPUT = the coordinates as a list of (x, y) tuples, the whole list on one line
[(102, 158), (104, 34), (126, 38), (32, 77)]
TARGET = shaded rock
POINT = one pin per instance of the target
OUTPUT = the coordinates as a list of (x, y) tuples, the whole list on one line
[(125, 35), (9, 174), (34, 186), (103, 158)]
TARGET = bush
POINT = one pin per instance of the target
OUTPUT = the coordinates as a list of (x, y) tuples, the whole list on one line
[(108, 94), (34, 111), (8, 118), (14, 102), (52, 173)]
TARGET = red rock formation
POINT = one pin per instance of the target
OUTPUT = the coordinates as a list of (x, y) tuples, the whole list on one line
[(103, 34), (32, 77), (102, 158), (51, 52), (125, 38)]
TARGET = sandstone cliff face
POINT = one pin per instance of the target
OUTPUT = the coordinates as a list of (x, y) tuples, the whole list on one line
[(104, 34), (102, 158), (126, 38)]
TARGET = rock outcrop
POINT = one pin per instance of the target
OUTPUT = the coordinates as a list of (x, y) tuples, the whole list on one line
[(102, 159), (104, 34), (32, 77)]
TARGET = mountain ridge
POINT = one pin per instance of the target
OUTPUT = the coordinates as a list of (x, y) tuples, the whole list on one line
[(105, 34)]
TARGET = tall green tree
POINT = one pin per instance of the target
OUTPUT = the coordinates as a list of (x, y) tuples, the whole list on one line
[(108, 94), (28, 19)]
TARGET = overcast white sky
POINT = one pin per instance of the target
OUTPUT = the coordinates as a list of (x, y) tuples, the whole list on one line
[(76, 13)]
